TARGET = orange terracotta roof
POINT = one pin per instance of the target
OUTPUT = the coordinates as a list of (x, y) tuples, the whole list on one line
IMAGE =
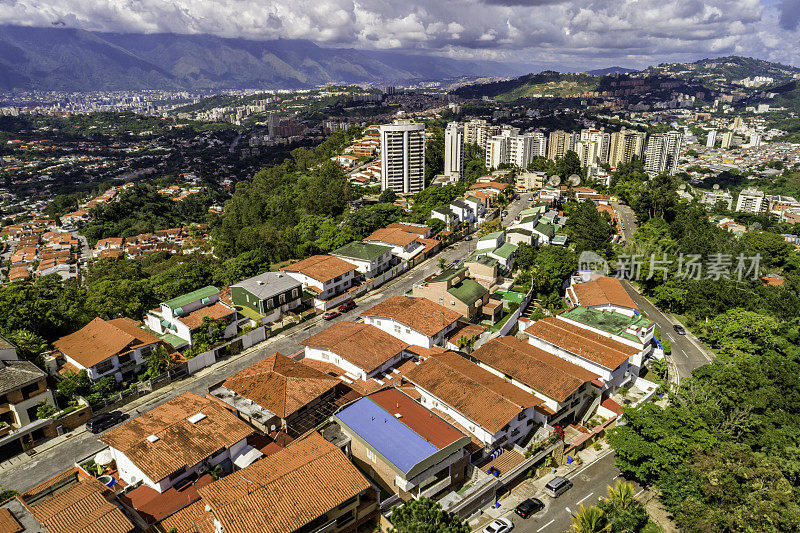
[(214, 311), (280, 384), (545, 373), (410, 228), (489, 184), (603, 291), (80, 505), (286, 490), (100, 339), (478, 394), (363, 345), (321, 267), (9, 523), (582, 342), (180, 443), (191, 519), (394, 236), (421, 314)]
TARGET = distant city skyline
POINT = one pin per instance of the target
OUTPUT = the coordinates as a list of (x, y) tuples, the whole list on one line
[(559, 34)]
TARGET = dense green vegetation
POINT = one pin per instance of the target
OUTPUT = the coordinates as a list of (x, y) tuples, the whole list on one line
[(425, 516), (546, 82)]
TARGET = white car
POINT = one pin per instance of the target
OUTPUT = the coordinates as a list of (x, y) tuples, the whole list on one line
[(501, 525)]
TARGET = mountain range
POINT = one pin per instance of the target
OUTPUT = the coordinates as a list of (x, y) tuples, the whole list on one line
[(78, 60)]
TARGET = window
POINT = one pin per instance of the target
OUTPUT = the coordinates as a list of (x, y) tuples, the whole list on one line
[(30, 390), (397, 329), (104, 366), (178, 473), (147, 350), (521, 416), (408, 330), (282, 299), (270, 303), (124, 358), (295, 293), (348, 502), (371, 456)]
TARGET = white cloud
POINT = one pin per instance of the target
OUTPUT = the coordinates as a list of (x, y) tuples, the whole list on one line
[(559, 33)]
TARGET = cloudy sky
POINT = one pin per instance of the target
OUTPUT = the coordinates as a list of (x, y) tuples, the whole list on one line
[(562, 34)]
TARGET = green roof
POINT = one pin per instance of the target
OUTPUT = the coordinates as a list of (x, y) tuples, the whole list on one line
[(533, 210), (528, 218), (521, 231), (482, 259), (173, 340), (506, 250), (362, 250), (490, 236), (473, 199), (193, 296), (559, 240), (468, 291), (545, 229), (608, 321), (446, 274)]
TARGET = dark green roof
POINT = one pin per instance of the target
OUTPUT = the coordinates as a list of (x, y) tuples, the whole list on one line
[(506, 250), (362, 250), (545, 229), (609, 321), (521, 231), (446, 274), (482, 259), (468, 291), (193, 296)]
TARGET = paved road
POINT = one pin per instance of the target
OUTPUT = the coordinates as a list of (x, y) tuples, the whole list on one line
[(23, 472), (687, 352), (590, 484), (523, 202), (628, 219)]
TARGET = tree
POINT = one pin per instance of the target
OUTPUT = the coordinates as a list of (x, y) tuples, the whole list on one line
[(7, 494), (73, 383), (588, 230), (425, 516), (490, 226), (44, 410), (442, 263), (158, 361), (589, 520), (568, 165), (526, 255), (387, 196), (30, 346), (624, 513), (554, 264)]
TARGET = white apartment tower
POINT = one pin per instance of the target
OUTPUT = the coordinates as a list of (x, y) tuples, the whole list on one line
[(751, 201), (593, 147), (663, 151), (727, 140), (559, 143), (403, 157), (510, 147), (712, 139), (454, 151)]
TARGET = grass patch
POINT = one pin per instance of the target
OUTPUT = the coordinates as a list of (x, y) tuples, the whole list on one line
[(652, 527)]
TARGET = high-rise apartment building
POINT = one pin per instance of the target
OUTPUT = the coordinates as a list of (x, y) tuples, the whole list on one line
[(751, 201), (510, 147), (454, 151), (712, 139), (727, 140), (663, 151), (403, 157), (478, 131), (593, 147), (626, 145), (559, 143)]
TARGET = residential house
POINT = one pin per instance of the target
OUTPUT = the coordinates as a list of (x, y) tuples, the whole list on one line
[(569, 392), (324, 275), (403, 446), (487, 406), (453, 289), (604, 293), (179, 319), (491, 241), (117, 348), (543, 232), (420, 230), (370, 259), (279, 393), (415, 321), (517, 236), (404, 244), (596, 352), (362, 350), (267, 297), (177, 441), (111, 243), (484, 269), (310, 485), (70, 502), (23, 386)]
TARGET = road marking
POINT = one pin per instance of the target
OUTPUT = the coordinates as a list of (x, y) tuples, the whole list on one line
[(584, 498), (615, 477), (544, 526), (638, 493), (575, 474), (568, 510)]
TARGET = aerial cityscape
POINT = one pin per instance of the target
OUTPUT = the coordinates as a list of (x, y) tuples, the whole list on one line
[(434, 267)]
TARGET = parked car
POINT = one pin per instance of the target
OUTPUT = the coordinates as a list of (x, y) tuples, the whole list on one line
[(679, 329), (104, 421), (468, 238), (529, 507), (348, 305), (501, 525), (505, 213), (333, 313), (557, 486)]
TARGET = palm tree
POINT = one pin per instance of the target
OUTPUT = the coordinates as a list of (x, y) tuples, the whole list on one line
[(589, 520), (621, 495), (29, 345)]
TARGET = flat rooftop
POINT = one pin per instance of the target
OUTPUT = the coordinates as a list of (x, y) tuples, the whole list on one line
[(608, 321)]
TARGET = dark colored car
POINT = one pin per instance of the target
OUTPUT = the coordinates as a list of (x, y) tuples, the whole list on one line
[(103, 421), (331, 314), (348, 305), (679, 329), (529, 507)]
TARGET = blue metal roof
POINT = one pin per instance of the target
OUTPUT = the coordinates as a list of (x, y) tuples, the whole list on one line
[(386, 434)]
